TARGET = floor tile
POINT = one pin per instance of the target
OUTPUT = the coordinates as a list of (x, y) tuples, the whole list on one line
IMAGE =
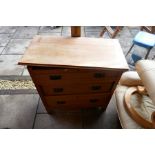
[(93, 34), (25, 72), (125, 42), (41, 108), (66, 31), (45, 29), (4, 39), (26, 32), (110, 118), (124, 32), (1, 49), (58, 120), (9, 65), (97, 119), (17, 46), (49, 34), (93, 28), (17, 111), (134, 30), (8, 29)]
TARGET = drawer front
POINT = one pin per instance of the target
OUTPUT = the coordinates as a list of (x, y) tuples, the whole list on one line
[(94, 100), (74, 78), (76, 89), (51, 70), (61, 70), (81, 101), (60, 101)]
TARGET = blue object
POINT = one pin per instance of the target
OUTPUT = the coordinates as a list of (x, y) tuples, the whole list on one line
[(144, 39), (135, 57)]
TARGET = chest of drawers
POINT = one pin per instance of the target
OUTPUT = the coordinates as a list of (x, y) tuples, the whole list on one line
[(74, 72)]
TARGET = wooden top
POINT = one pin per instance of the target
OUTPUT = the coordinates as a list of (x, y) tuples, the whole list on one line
[(74, 52)]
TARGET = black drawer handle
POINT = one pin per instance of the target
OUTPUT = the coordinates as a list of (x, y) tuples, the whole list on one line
[(96, 87), (61, 102), (58, 90), (93, 100), (99, 75), (55, 77)]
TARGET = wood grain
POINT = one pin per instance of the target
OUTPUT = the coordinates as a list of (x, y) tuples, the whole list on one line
[(75, 52), (74, 72), (75, 31)]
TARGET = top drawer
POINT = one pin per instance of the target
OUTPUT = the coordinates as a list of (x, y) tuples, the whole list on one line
[(54, 75), (35, 70)]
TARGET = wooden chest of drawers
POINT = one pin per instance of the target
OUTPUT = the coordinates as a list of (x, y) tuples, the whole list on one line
[(68, 74)]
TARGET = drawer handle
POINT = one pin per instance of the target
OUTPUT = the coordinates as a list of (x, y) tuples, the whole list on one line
[(93, 100), (61, 102), (58, 90), (99, 75), (55, 77), (96, 87)]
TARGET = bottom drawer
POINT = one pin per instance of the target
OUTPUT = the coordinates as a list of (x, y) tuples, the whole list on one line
[(78, 101)]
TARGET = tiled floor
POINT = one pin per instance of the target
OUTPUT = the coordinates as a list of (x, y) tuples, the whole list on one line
[(26, 110)]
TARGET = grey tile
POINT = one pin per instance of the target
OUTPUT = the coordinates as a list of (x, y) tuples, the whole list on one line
[(59, 120), (47, 29), (124, 33), (66, 34), (106, 36), (83, 31), (8, 29), (1, 49), (96, 119), (125, 42), (17, 111), (93, 34), (41, 108), (26, 32), (66, 31), (4, 39), (110, 118), (9, 65), (25, 72), (152, 54), (17, 46), (93, 28), (49, 34), (134, 30)]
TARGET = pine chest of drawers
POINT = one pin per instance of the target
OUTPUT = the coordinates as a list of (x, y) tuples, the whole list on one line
[(74, 72)]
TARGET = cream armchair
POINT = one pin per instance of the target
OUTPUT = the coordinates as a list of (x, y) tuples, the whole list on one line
[(143, 76)]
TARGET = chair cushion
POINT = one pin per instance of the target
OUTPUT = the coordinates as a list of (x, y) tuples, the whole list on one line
[(130, 78), (144, 39), (146, 71), (126, 121)]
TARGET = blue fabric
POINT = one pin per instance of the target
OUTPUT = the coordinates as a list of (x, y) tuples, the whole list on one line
[(134, 59), (144, 39)]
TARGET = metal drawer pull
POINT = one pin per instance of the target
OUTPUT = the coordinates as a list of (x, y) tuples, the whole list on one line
[(93, 100), (96, 87), (55, 77), (99, 75), (58, 90), (61, 102)]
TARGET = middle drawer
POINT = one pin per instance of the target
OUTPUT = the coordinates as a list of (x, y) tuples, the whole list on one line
[(76, 88), (75, 78)]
